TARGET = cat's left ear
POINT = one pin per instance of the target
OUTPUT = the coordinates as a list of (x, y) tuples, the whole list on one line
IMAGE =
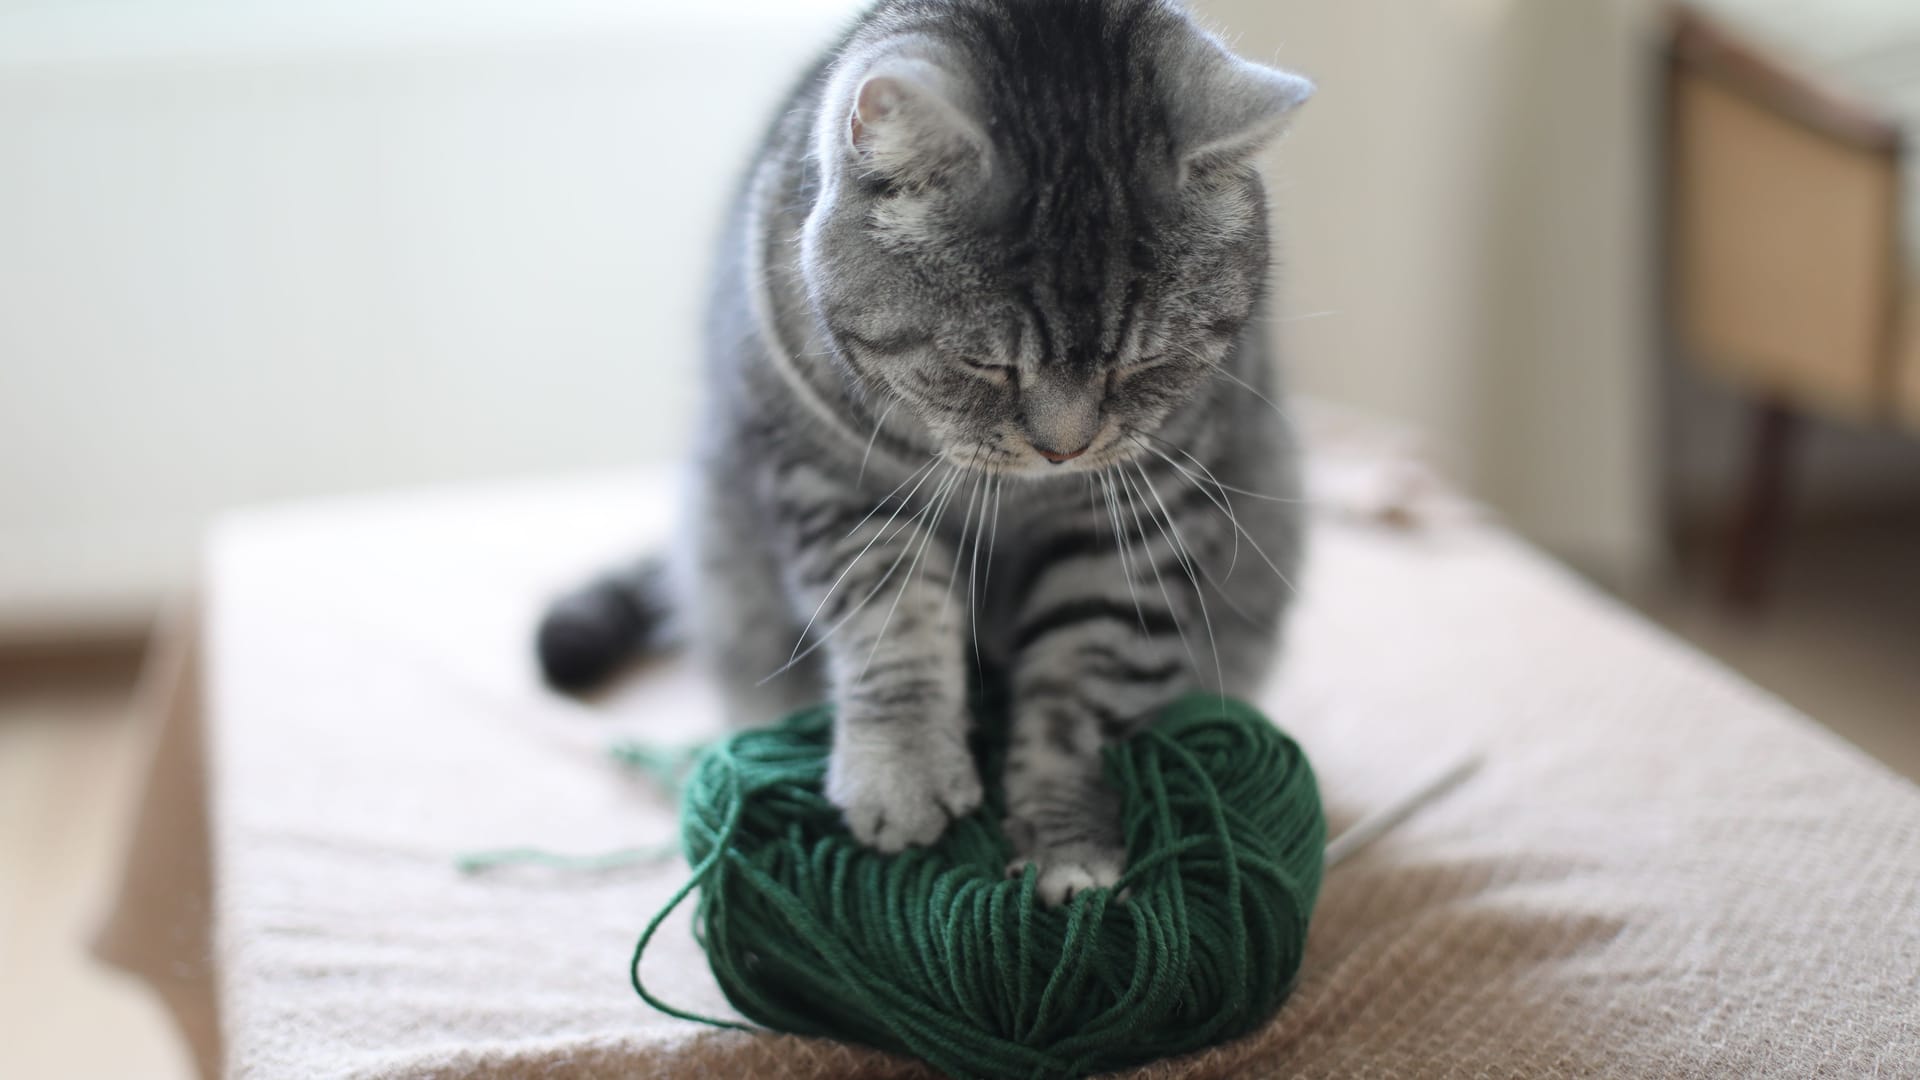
[(1228, 108), (907, 121)]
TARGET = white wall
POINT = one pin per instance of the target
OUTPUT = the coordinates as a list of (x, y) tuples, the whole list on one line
[(259, 251), (252, 251), (1469, 202), (1374, 190)]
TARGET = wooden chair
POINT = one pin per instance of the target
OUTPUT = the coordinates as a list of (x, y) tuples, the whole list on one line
[(1788, 275)]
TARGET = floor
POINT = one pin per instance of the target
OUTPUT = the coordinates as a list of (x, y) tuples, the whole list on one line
[(1839, 635), (69, 770), (1839, 639)]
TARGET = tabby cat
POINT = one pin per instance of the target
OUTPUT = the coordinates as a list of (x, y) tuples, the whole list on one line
[(988, 394)]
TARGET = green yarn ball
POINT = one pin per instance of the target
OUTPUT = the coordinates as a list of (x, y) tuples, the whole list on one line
[(936, 953)]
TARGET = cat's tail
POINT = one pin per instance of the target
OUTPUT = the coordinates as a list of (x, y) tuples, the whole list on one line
[(590, 632)]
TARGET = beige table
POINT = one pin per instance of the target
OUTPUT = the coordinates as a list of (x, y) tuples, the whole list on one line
[(1659, 872)]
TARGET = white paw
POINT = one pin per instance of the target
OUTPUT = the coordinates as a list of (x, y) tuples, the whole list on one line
[(1066, 874), (896, 795)]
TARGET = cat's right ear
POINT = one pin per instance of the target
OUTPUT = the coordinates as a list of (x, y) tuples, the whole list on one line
[(907, 123), (1225, 108)]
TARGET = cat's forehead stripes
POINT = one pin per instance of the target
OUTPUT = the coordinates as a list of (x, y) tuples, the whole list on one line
[(1071, 99)]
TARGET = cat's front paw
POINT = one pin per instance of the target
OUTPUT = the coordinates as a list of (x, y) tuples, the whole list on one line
[(898, 793), (1068, 828), (1068, 872)]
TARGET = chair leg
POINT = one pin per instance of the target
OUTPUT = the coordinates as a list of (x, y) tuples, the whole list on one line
[(1755, 528)]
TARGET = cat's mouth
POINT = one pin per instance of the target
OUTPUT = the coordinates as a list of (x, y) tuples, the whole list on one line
[(1111, 446), (1118, 451)]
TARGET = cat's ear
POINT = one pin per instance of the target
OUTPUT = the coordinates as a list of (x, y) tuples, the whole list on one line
[(907, 122), (1228, 108)]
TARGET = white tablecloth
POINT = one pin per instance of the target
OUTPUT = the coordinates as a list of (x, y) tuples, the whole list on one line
[(1660, 871)]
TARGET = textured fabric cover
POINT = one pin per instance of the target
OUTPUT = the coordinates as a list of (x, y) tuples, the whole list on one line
[(1660, 871)]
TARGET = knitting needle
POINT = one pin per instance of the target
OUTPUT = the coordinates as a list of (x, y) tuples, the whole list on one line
[(1378, 823)]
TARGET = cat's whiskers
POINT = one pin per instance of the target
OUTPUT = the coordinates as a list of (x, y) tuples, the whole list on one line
[(938, 508), (994, 535), (1260, 495), (1226, 508), (1255, 391), (1133, 504), (1190, 562), (960, 545), (1120, 545), (916, 523), (973, 571), (871, 439), (923, 472)]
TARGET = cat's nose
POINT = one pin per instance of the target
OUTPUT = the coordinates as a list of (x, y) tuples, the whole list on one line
[(1057, 457)]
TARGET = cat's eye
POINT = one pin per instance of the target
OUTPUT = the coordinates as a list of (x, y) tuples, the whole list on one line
[(987, 370), (1138, 367)]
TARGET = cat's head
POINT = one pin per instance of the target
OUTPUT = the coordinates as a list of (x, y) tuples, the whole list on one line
[(1039, 226)]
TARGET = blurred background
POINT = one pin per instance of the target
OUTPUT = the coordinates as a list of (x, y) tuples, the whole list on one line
[(1643, 286)]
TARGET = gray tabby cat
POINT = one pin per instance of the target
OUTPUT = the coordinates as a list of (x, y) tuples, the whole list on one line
[(988, 388)]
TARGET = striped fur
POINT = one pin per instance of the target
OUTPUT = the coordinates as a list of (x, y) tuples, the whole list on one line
[(980, 230)]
